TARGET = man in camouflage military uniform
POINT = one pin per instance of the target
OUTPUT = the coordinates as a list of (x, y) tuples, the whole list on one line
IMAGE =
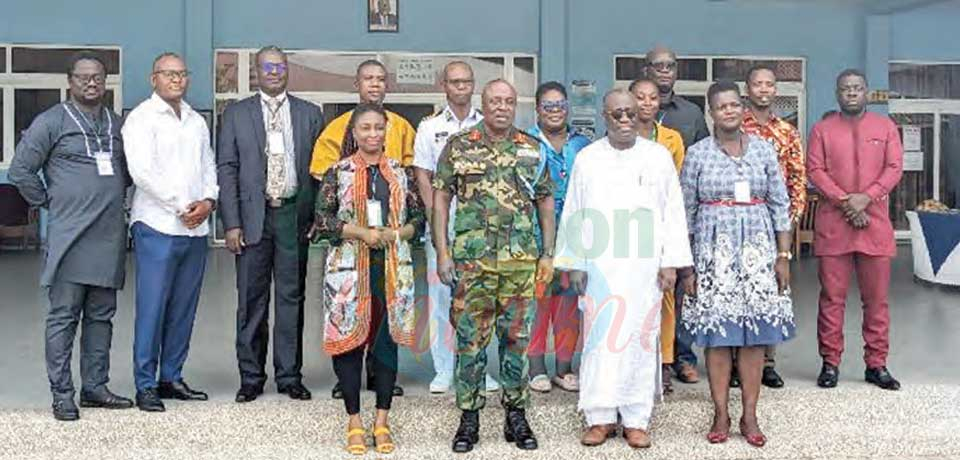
[(496, 173)]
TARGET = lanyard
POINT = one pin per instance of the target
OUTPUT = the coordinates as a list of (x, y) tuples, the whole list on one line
[(653, 133), (86, 138), (374, 175), (661, 116)]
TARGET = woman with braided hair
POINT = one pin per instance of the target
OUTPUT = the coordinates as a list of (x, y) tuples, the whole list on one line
[(369, 212)]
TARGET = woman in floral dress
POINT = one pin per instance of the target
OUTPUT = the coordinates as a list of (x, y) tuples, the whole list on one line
[(738, 290)]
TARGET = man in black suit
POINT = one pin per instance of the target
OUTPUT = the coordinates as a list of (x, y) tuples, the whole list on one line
[(266, 202)]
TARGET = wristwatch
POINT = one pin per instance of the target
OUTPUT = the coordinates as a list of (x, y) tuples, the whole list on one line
[(785, 255)]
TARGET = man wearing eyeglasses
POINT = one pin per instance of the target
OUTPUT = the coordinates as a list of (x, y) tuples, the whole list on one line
[(558, 306), (458, 115), (687, 118), (621, 237), (77, 147), (266, 202), (172, 166)]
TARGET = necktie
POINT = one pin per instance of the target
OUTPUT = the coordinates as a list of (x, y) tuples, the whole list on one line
[(276, 157)]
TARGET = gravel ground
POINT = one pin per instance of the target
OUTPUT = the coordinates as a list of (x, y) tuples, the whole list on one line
[(851, 422)]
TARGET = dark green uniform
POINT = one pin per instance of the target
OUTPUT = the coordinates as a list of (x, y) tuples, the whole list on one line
[(495, 252)]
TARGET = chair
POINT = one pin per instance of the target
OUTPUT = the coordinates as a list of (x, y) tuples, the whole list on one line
[(804, 232), (17, 219)]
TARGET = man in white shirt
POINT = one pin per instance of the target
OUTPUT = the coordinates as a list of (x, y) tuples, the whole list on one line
[(432, 136), (172, 166)]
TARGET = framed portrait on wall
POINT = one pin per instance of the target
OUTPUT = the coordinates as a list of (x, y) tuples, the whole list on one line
[(383, 16)]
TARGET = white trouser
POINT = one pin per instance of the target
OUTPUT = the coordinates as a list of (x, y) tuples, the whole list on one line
[(633, 416), (442, 339)]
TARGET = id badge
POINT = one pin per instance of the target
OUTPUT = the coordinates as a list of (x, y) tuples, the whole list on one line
[(104, 163), (374, 214), (741, 192), (275, 142)]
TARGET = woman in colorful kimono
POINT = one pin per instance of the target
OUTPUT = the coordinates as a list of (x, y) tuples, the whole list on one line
[(368, 210)]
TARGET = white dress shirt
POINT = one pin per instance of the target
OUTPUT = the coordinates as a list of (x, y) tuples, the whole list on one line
[(432, 136), (290, 148), (433, 133), (171, 164)]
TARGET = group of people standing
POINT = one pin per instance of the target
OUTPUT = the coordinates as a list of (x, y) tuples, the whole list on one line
[(663, 237)]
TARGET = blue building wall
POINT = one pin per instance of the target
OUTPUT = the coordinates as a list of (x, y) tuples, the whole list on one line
[(143, 28), (926, 34)]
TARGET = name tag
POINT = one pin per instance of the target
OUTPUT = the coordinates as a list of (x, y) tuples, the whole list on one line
[(275, 142), (528, 153), (374, 214), (441, 136), (741, 192), (104, 163)]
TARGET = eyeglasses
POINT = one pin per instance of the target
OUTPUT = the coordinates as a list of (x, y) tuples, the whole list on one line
[(619, 113), (554, 106), (274, 67), (460, 82), (664, 66), (98, 79), (173, 74)]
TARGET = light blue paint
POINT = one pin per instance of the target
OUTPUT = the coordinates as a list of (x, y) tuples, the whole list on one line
[(830, 37), (926, 34)]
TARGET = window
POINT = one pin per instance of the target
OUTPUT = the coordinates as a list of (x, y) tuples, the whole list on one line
[(35, 79), (696, 73), (924, 81), (413, 81)]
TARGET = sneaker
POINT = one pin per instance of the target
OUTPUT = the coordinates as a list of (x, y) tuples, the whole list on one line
[(441, 383), (541, 384), (492, 384)]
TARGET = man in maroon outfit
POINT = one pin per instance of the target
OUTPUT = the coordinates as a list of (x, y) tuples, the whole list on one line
[(855, 159)]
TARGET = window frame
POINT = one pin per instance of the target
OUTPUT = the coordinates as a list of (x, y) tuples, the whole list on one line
[(699, 88), (10, 82), (323, 98)]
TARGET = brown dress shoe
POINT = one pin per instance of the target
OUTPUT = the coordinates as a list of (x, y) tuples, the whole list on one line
[(636, 438), (598, 434), (688, 373)]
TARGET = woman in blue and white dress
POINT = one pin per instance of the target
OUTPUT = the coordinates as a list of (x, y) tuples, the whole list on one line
[(738, 290)]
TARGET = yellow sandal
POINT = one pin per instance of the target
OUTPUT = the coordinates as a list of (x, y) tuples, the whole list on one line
[(357, 449), (384, 448)]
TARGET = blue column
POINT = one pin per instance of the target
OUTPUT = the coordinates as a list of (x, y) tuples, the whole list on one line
[(554, 34), (198, 51), (878, 52)]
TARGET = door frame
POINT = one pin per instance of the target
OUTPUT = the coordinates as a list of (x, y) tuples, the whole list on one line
[(937, 108)]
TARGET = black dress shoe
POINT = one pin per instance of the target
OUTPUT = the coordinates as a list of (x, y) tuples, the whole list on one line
[(771, 378), (179, 390), (65, 410), (468, 434), (734, 377), (149, 401), (881, 377), (296, 391), (105, 399), (337, 391), (397, 389), (248, 393), (517, 430), (829, 375)]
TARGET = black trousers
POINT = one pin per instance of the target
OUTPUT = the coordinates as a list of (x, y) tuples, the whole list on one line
[(382, 356), (281, 257), (92, 308)]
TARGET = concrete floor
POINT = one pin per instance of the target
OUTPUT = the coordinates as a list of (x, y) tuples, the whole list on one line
[(923, 340)]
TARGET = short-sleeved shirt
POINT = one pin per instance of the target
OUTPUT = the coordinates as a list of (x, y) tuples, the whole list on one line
[(496, 185), (434, 132), (560, 164), (398, 143)]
